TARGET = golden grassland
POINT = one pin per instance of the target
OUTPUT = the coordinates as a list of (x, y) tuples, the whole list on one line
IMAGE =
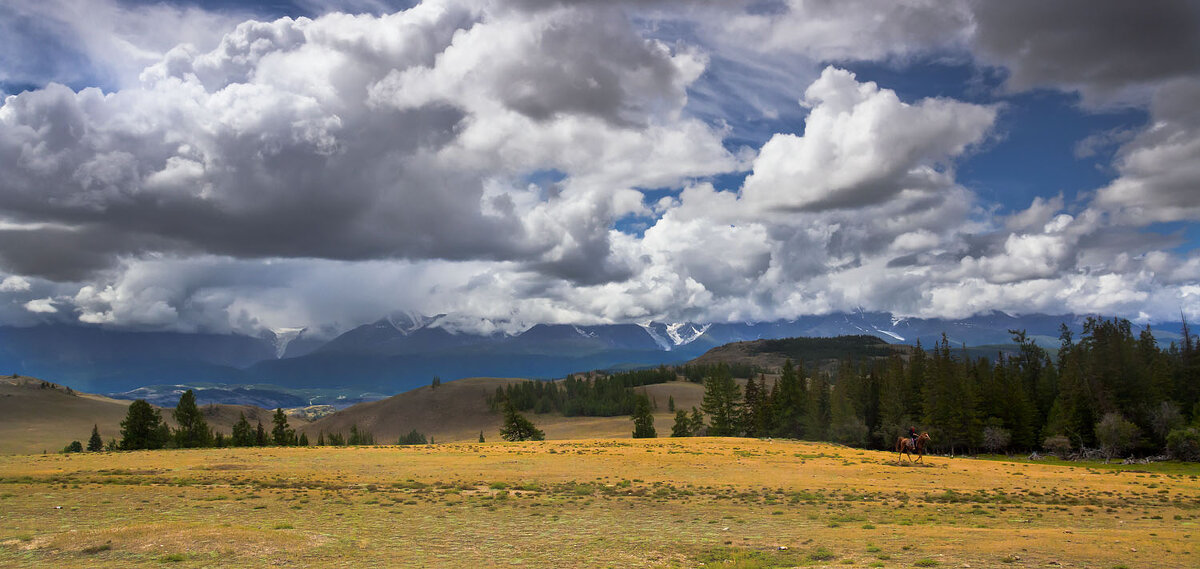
[(703, 502)]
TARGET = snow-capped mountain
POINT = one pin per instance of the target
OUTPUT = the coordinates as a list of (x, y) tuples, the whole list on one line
[(281, 337), (404, 350), (671, 336)]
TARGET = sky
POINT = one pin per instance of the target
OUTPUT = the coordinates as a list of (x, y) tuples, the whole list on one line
[(225, 166)]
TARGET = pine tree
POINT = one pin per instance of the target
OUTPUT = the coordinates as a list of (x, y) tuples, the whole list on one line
[(682, 426), (481, 437), (282, 435), (414, 437), (143, 427), (643, 419), (720, 403), (360, 436), (765, 412), (242, 434), (696, 423), (790, 403), (193, 431), (847, 426), (303, 440), (671, 403), (517, 427), (260, 435), (321, 438), (95, 443), (816, 421), (749, 420)]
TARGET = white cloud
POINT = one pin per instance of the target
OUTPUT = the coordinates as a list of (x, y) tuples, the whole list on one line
[(1160, 168), (14, 283), (41, 306), (863, 145), (475, 158)]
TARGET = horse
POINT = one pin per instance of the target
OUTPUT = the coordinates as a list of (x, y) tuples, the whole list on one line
[(904, 445)]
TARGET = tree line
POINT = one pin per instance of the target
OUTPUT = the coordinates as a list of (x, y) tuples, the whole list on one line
[(144, 429), (1110, 390), (595, 396)]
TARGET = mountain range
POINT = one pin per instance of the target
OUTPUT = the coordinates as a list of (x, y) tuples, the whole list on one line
[(402, 351)]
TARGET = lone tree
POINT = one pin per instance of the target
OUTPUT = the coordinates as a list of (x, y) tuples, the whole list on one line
[(517, 427), (283, 435), (193, 431), (143, 427), (243, 433), (643, 419), (1115, 435), (95, 444), (996, 438)]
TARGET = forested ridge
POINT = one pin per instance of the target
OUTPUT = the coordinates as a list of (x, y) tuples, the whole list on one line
[(1112, 391)]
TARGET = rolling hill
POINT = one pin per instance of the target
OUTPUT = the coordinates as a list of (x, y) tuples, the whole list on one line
[(41, 416), (822, 353), (457, 411)]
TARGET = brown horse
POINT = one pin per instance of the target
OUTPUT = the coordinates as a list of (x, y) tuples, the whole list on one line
[(904, 445)]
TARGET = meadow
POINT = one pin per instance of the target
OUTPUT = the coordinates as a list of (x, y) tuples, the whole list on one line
[(702, 502)]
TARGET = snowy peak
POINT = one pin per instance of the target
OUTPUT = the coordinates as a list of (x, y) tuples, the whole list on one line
[(671, 336), (685, 333), (407, 322), (281, 337)]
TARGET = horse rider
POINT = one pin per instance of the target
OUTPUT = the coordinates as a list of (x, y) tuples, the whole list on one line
[(912, 436)]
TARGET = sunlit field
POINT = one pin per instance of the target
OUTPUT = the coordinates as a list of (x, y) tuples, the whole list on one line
[(598, 503)]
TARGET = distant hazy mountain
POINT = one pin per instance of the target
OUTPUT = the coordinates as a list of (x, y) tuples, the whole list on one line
[(404, 350)]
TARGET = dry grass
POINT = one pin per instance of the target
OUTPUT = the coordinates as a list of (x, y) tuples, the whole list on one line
[(593, 503)]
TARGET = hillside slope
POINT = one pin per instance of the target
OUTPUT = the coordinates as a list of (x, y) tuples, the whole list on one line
[(458, 411), (37, 415), (42, 416), (821, 353)]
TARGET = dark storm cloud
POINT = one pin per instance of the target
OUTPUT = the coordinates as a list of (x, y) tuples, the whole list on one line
[(279, 143), (1100, 45)]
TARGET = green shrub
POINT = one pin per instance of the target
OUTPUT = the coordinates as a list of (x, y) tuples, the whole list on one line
[(1184, 444)]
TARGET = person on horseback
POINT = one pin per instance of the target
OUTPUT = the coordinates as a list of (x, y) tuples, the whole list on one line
[(912, 436)]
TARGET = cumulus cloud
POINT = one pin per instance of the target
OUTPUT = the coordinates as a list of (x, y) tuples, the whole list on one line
[(302, 138), (1159, 170), (41, 306), (863, 145), (14, 283), (477, 159)]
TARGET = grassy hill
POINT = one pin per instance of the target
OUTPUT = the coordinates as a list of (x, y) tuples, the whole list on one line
[(814, 352), (37, 415), (457, 411)]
